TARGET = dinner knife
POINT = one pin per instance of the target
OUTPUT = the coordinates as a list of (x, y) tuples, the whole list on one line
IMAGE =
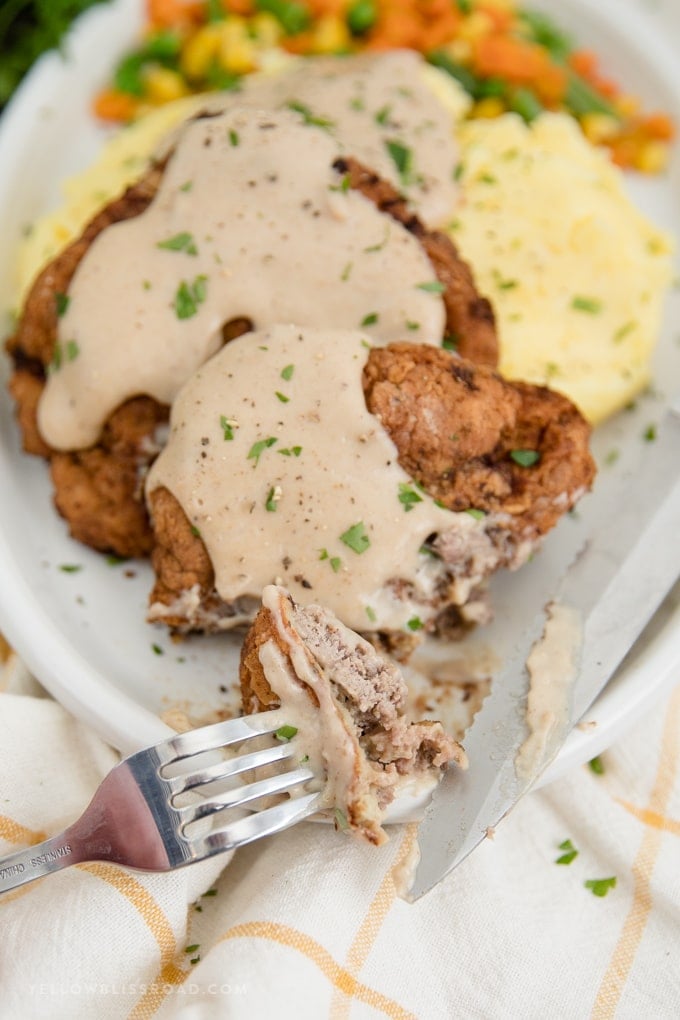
[(615, 583)]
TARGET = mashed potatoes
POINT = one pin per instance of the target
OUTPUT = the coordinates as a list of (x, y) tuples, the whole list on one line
[(575, 273)]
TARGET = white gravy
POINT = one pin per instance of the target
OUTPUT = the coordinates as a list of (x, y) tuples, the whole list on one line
[(552, 666), (250, 220), (369, 104), (307, 465)]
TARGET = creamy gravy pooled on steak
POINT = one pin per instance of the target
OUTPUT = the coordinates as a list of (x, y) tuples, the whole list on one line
[(380, 109), (250, 220), (307, 464)]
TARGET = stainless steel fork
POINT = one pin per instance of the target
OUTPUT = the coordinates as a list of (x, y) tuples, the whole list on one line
[(137, 818)]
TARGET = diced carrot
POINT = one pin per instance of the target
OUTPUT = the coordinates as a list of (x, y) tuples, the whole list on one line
[(175, 13), (659, 125), (502, 18), (503, 57), (111, 104), (584, 62), (243, 7)]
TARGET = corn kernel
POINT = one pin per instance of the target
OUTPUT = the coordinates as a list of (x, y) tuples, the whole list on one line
[(238, 57), (652, 157), (163, 85), (233, 30), (599, 127), (488, 108), (330, 35), (475, 26), (199, 52), (626, 105), (459, 50), (266, 29)]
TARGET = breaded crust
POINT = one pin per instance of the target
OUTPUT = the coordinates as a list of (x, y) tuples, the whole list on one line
[(470, 322), (90, 485), (457, 426)]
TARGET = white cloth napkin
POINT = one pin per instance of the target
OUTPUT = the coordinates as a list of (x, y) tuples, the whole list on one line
[(307, 924)]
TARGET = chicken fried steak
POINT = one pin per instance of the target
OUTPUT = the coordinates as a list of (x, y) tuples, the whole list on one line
[(505, 460), (345, 707)]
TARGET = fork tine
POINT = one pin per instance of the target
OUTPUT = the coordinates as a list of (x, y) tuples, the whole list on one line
[(260, 823), (244, 794), (230, 767), (222, 734)]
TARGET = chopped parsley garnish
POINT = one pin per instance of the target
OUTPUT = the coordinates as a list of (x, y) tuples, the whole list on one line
[(70, 568), (341, 819), (649, 435), (187, 186), (487, 179), (432, 287), (227, 425), (286, 732), (308, 116), (478, 515), (357, 103), (623, 331), (402, 157), (380, 245), (189, 296), (273, 497), (115, 561), (525, 458), (612, 457), (282, 396), (233, 137), (383, 115), (293, 451), (344, 276), (62, 302), (63, 353), (355, 538), (370, 613), (192, 949), (458, 172), (502, 283), (600, 886), (413, 326), (344, 185), (287, 372), (415, 623), (586, 304), (258, 448), (370, 319), (596, 765), (195, 532), (157, 650), (334, 561), (450, 342), (408, 497), (180, 242), (569, 852)]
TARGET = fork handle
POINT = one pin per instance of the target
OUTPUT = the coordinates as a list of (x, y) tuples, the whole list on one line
[(35, 861)]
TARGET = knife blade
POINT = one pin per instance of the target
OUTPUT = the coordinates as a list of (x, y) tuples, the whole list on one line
[(616, 581)]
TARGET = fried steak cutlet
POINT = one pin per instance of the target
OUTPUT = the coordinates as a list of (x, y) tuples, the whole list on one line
[(97, 490), (513, 455), (347, 707)]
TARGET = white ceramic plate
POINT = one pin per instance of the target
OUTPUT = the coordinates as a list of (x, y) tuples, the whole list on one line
[(82, 632)]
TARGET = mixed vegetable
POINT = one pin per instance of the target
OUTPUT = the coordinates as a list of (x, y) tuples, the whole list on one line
[(506, 57)]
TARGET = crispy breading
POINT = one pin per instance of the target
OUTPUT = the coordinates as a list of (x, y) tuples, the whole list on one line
[(457, 425)]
